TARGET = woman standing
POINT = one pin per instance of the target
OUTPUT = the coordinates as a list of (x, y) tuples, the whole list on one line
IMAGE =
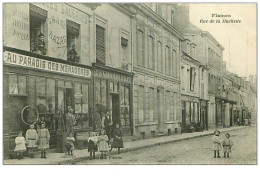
[(44, 138), (117, 139)]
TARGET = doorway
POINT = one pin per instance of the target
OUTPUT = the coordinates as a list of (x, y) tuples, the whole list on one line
[(115, 108)]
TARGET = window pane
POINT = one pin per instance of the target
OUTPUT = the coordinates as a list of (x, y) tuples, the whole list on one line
[(61, 104), (77, 91), (50, 95), (85, 102), (22, 84), (41, 100), (13, 85)]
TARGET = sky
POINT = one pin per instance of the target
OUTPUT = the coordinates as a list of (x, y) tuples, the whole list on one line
[(239, 40)]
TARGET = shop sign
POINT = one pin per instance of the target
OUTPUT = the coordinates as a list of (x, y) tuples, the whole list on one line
[(191, 99), (36, 63)]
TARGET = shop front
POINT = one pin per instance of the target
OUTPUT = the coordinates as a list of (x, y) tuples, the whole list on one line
[(113, 91), (49, 86), (190, 113)]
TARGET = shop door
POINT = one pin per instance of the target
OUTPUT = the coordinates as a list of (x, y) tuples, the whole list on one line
[(115, 108), (69, 99)]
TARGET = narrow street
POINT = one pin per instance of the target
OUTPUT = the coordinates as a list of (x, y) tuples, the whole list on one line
[(194, 151)]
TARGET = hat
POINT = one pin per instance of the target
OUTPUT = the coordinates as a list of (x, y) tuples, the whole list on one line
[(41, 35)]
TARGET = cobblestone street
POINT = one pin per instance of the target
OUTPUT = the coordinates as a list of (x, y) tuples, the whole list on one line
[(193, 151)]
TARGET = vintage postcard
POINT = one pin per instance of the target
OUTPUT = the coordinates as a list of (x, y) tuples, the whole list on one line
[(129, 83)]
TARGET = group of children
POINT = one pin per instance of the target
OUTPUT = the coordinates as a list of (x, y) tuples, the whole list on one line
[(98, 142), (33, 139), (218, 143)]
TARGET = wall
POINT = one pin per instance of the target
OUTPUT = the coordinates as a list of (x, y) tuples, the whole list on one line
[(55, 35)]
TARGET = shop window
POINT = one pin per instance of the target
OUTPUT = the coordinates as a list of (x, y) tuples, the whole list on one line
[(150, 52), (160, 58), (38, 18), (81, 105), (124, 104), (140, 48), (100, 45), (17, 85), (50, 95), (40, 95), (73, 41)]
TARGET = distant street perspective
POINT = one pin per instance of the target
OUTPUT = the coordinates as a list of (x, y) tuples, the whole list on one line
[(194, 151)]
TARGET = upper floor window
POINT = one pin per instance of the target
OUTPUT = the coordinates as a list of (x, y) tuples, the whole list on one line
[(37, 29), (159, 9), (192, 78), (188, 47), (140, 47), (167, 60), (150, 52), (160, 58), (124, 52), (172, 17), (174, 63), (100, 45), (73, 41)]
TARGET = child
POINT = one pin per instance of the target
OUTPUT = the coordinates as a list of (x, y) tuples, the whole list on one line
[(31, 139), (44, 138), (20, 145), (92, 144), (103, 144), (69, 145), (117, 139), (227, 144), (217, 143)]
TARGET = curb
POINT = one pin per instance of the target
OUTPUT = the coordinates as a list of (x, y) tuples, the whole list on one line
[(79, 159)]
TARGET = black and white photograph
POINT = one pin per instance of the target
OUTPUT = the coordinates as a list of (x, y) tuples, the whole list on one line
[(159, 83)]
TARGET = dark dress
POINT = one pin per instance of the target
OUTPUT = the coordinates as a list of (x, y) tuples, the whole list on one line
[(107, 123), (92, 147), (117, 141)]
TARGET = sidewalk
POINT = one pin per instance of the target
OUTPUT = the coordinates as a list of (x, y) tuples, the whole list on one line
[(81, 155)]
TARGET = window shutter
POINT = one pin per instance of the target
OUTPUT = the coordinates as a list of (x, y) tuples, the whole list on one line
[(100, 44)]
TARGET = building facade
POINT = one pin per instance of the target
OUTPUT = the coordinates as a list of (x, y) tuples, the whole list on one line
[(156, 63)]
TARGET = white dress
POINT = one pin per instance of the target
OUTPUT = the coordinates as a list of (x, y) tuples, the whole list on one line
[(20, 144)]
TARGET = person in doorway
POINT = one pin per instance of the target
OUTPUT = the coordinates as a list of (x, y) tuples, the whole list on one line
[(227, 144), (216, 143), (117, 139), (73, 55), (70, 121), (31, 137), (40, 122), (103, 144), (20, 145), (70, 144), (43, 140), (107, 124)]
